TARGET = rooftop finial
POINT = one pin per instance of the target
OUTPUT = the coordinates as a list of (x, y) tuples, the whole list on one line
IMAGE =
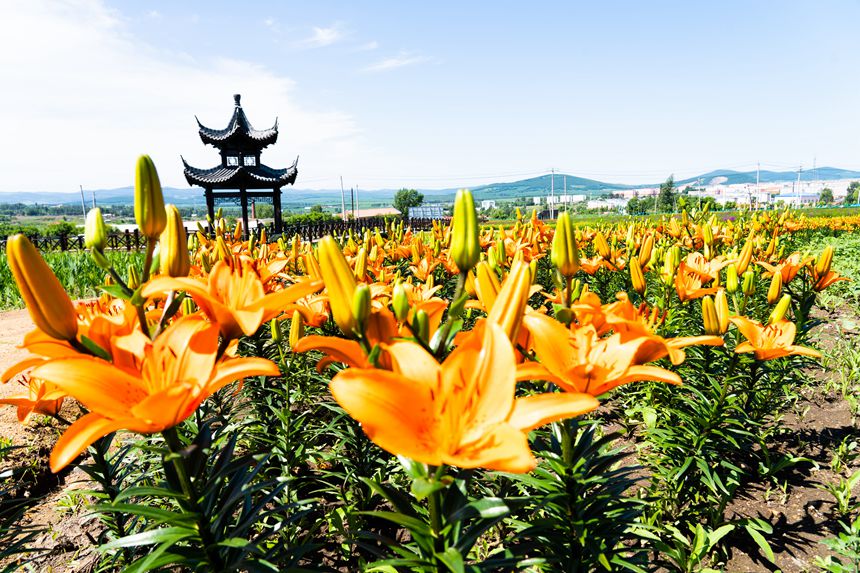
[(236, 98)]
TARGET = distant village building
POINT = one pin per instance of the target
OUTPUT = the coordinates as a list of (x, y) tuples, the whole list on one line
[(427, 212), (488, 204)]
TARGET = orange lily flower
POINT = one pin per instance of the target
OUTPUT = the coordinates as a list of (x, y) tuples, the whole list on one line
[(827, 279), (41, 398), (581, 361), (688, 284), (787, 268), (462, 412), (772, 341), (381, 329), (234, 296), (150, 385), (631, 323)]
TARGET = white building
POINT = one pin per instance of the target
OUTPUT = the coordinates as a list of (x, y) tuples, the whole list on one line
[(488, 204)]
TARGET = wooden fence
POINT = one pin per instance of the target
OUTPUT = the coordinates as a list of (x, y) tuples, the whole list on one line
[(133, 240)]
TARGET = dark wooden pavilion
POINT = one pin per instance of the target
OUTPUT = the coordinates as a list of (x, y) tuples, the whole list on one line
[(241, 176)]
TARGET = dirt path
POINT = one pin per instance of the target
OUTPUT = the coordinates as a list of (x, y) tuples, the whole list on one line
[(14, 325)]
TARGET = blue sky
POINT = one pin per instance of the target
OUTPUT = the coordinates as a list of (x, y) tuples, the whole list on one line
[(441, 94)]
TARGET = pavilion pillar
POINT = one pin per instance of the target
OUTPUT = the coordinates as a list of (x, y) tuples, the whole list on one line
[(210, 205), (276, 205), (243, 197)]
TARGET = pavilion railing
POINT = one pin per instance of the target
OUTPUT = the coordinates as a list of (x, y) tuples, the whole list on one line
[(133, 240)]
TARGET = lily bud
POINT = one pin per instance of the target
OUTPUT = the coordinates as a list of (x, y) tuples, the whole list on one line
[(275, 329), (133, 277), (507, 311), (361, 264), (732, 279), (565, 254), (636, 276), (822, 265), (601, 245), (361, 306), (400, 302), (749, 283), (264, 237), (48, 304), (668, 271), (465, 247), (421, 325), (721, 303), (297, 328), (775, 289), (148, 199), (745, 257), (645, 250), (237, 231), (780, 310), (709, 316), (188, 306), (486, 284), (339, 282), (95, 232), (174, 259), (312, 267), (708, 234)]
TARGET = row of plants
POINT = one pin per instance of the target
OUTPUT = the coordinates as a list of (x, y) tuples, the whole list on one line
[(425, 401)]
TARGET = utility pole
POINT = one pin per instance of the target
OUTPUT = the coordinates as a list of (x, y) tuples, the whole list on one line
[(552, 195), (567, 207), (757, 178), (352, 201), (83, 202), (357, 203), (94, 199), (342, 201)]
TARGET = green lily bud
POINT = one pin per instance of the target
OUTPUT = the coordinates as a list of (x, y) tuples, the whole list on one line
[(400, 302), (749, 283), (277, 333), (95, 232), (361, 306), (133, 277), (148, 200), (421, 325), (100, 259), (780, 310), (465, 246), (565, 254), (174, 260), (732, 279)]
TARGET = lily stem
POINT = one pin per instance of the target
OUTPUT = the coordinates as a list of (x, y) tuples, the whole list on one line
[(452, 316), (191, 503)]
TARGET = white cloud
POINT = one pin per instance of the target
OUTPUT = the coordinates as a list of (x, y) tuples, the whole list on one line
[(372, 45), (399, 61), (82, 98), (322, 37)]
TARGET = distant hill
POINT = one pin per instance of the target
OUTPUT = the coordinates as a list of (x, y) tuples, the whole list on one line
[(535, 186)]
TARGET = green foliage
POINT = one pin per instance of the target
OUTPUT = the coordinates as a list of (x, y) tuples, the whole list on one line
[(826, 196), (77, 271), (404, 199)]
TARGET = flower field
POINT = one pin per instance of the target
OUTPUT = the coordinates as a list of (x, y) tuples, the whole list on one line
[(601, 396)]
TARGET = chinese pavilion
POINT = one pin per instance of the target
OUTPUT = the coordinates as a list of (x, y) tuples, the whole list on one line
[(241, 177)]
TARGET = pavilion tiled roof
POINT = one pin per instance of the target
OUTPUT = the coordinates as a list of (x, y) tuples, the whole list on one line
[(250, 177), (239, 132)]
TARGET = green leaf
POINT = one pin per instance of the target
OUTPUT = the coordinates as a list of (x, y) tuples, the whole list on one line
[(423, 487), (487, 508), (762, 543), (163, 535), (720, 532), (95, 348), (416, 526), (452, 560), (115, 291)]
